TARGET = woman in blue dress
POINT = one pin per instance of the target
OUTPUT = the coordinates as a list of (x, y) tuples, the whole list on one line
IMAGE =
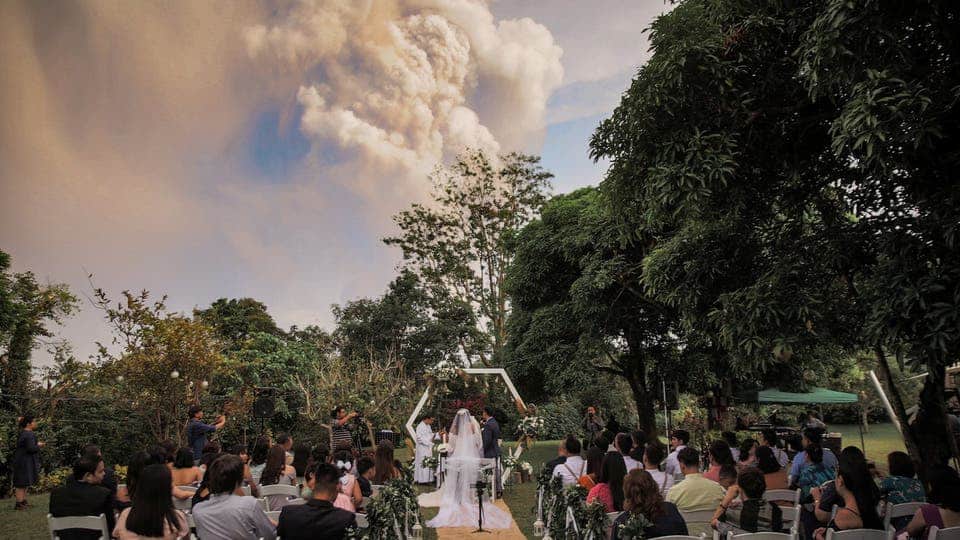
[(26, 460)]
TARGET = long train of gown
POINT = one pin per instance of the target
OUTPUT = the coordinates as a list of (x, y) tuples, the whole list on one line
[(458, 507)]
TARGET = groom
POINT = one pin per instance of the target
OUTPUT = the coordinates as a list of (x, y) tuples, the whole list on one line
[(491, 444)]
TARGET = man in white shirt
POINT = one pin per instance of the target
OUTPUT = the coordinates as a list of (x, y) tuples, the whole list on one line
[(769, 438), (574, 467), (678, 441), (652, 456), (624, 445), (424, 449)]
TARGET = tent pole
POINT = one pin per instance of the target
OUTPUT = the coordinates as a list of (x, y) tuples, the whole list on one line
[(863, 445), (885, 401)]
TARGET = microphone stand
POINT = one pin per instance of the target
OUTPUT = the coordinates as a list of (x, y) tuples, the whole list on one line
[(481, 487)]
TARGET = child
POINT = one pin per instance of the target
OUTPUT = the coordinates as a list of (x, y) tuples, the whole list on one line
[(365, 473)]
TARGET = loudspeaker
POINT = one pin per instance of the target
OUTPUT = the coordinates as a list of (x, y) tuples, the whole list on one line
[(673, 396), (264, 404)]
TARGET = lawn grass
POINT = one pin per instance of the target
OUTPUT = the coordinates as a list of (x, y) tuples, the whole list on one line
[(521, 498)]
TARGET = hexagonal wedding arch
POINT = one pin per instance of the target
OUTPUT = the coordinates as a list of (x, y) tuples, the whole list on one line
[(471, 371)]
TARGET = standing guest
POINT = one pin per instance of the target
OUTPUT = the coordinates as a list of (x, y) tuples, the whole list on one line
[(753, 514), (152, 515), (624, 444), (728, 476), (365, 473), (258, 457), (642, 495), (695, 492), (901, 486), (748, 454), (652, 457), (341, 437), (812, 436), (383, 458), (277, 472), (82, 495), (26, 460), (301, 455), (318, 518), (775, 477), (858, 496), (720, 455), (229, 515), (678, 441), (594, 465), (813, 422), (197, 430), (348, 482), (943, 511), (731, 439), (770, 440), (573, 466), (592, 427), (609, 488), (184, 472), (424, 441)]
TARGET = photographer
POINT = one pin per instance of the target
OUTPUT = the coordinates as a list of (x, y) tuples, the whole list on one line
[(341, 438), (197, 430), (592, 427)]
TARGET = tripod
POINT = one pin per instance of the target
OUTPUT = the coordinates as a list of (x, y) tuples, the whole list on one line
[(481, 487)]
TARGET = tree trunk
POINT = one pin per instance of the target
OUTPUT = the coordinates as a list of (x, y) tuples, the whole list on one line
[(896, 400)]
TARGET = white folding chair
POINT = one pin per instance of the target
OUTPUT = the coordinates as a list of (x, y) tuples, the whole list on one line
[(681, 537), (761, 536), (699, 519), (278, 489), (859, 534), (90, 523), (950, 533), (274, 515), (184, 505), (894, 511), (791, 496), (190, 521), (246, 491), (791, 516)]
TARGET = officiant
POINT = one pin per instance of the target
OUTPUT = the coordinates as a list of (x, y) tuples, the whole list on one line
[(425, 440)]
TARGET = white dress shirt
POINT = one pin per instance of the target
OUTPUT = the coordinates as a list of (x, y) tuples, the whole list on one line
[(571, 471), (672, 467), (631, 463)]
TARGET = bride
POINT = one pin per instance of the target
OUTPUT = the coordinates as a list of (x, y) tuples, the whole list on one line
[(458, 505)]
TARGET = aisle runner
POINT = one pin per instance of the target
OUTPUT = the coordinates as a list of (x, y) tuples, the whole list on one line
[(463, 533)]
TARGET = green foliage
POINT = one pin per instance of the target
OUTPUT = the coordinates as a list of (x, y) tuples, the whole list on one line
[(235, 320), (392, 512), (53, 479)]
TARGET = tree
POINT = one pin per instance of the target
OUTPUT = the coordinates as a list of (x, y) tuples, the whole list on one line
[(235, 320), (461, 245), (27, 309)]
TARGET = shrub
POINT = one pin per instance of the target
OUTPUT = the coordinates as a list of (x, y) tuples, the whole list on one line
[(53, 479)]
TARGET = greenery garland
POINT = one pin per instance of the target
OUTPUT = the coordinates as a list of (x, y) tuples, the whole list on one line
[(391, 514), (635, 527)]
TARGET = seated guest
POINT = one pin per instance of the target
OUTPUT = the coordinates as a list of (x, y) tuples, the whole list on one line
[(770, 440), (210, 452), (642, 495), (317, 518), (573, 466), (812, 436), (240, 451), (720, 455), (753, 514), (348, 482), (277, 472), (258, 456), (731, 439), (384, 461), (748, 454), (652, 457), (82, 495), (286, 441), (943, 511), (901, 486), (624, 444), (639, 442), (152, 515), (184, 473), (229, 515), (301, 455), (109, 476), (678, 441), (320, 454), (365, 473), (594, 464), (858, 496), (774, 475), (695, 492), (813, 473), (551, 466), (728, 476), (609, 488)]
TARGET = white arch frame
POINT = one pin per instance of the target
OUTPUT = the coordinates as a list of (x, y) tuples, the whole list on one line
[(471, 371)]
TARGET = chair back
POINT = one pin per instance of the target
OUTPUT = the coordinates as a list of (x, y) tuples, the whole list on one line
[(950, 533), (680, 537), (761, 536), (90, 523), (184, 505), (246, 490), (791, 496), (894, 511), (791, 515), (697, 516), (279, 489), (274, 515), (859, 534)]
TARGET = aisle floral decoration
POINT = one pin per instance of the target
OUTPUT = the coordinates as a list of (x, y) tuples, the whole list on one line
[(634, 528), (393, 514)]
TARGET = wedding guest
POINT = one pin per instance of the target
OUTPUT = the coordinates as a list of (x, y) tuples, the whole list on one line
[(652, 457), (770, 440), (138, 462), (240, 451), (152, 515), (258, 457), (386, 468), (642, 495), (775, 476), (594, 464), (301, 455), (318, 518), (349, 485), (197, 431), (592, 427), (748, 453), (365, 473), (753, 514), (551, 466), (229, 515), (678, 441), (26, 460), (82, 495), (728, 476), (812, 436), (731, 439), (109, 480), (639, 442), (720, 455), (624, 444), (943, 510), (695, 492), (573, 466), (858, 496), (320, 454), (814, 472), (277, 472), (211, 451), (184, 472), (901, 486), (609, 488)]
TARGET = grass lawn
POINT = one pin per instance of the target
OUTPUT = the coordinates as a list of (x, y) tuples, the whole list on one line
[(881, 440)]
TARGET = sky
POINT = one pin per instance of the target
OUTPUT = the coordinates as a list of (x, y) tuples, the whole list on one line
[(259, 149)]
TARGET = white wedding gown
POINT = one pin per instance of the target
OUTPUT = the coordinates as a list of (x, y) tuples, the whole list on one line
[(458, 503)]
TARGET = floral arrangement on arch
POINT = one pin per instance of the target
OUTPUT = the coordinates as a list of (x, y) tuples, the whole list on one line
[(530, 427)]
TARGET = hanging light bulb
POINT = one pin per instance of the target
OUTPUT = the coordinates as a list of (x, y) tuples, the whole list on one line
[(174, 374), (204, 384), (190, 384), (119, 378)]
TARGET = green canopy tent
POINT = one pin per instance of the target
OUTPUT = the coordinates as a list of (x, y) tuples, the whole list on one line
[(816, 396)]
